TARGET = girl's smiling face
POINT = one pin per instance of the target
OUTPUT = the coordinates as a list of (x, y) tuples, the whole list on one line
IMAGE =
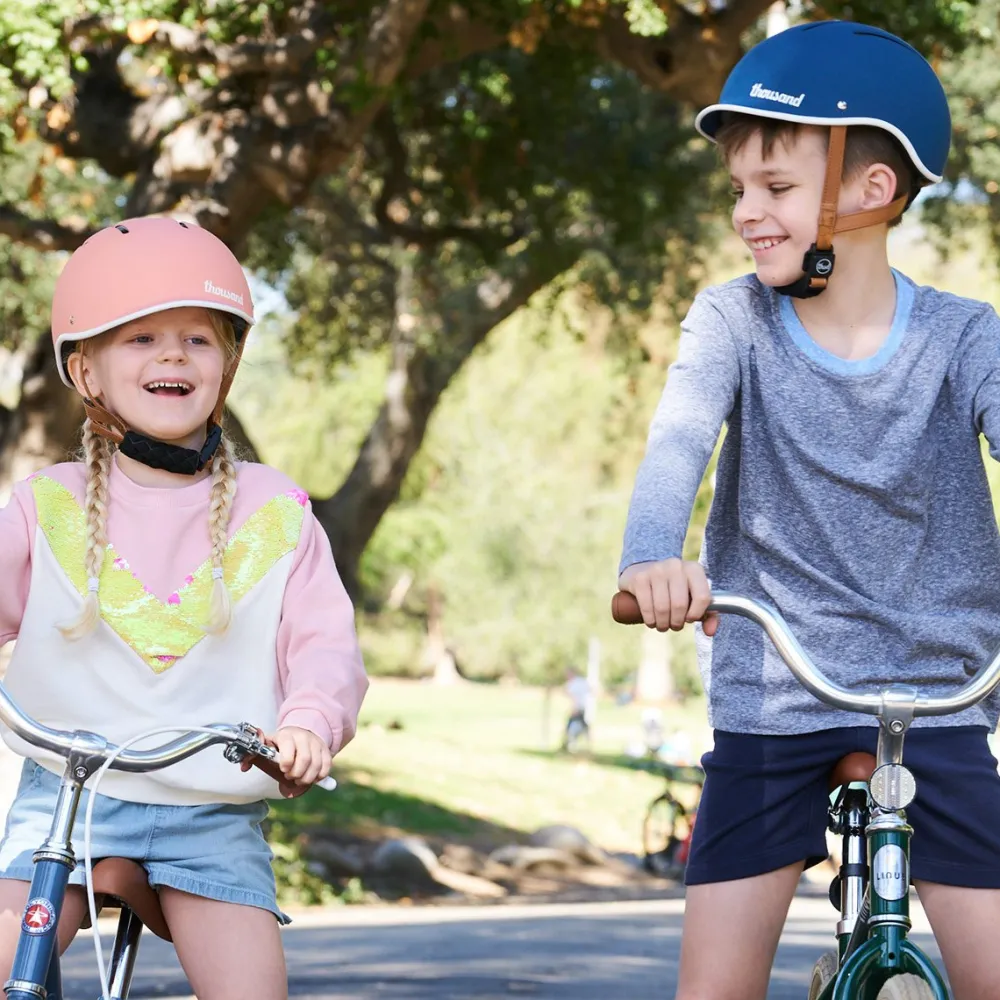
[(161, 374)]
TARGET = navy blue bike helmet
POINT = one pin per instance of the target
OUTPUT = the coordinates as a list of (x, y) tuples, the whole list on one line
[(841, 73)]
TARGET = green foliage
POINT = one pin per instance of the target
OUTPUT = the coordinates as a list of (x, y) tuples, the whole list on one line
[(26, 282), (645, 17), (33, 39), (315, 444), (298, 882), (974, 166), (532, 479)]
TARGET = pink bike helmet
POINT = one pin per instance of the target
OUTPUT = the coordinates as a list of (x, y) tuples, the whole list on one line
[(142, 266)]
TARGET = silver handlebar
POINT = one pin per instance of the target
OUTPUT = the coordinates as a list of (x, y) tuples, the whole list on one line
[(812, 678)]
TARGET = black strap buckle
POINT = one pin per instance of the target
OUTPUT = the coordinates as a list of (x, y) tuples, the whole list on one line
[(815, 264), (818, 263)]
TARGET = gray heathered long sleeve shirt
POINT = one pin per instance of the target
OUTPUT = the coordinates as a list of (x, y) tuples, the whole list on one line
[(850, 495)]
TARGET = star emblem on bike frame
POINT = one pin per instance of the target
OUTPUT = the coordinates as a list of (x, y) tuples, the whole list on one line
[(38, 916)]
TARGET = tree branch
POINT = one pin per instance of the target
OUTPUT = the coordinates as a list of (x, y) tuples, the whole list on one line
[(689, 62), (692, 60), (41, 234), (456, 37), (389, 40)]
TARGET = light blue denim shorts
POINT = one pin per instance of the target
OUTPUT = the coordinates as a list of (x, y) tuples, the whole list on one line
[(215, 851)]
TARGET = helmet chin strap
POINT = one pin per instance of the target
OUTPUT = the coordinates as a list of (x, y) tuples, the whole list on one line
[(819, 260), (151, 452)]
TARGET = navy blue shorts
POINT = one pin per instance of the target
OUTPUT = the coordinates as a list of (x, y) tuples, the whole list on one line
[(764, 805)]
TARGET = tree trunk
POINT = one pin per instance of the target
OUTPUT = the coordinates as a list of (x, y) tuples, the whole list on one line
[(437, 656), (422, 366)]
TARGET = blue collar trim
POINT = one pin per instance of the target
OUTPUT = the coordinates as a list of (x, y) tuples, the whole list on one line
[(840, 366)]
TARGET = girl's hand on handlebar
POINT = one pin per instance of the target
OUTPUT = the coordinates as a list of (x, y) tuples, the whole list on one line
[(302, 756), (670, 593), (303, 759)]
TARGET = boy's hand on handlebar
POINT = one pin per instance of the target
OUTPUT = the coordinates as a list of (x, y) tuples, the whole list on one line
[(670, 593)]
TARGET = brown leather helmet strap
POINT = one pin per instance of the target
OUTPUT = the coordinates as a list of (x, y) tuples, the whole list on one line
[(829, 221), (821, 254), (104, 423), (102, 420), (227, 382), (831, 187), (872, 216)]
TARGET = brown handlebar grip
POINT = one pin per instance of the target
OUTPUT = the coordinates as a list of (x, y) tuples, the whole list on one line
[(289, 789), (625, 609), (269, 767)]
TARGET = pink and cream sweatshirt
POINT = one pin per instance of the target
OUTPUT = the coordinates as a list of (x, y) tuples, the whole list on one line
[(290, 656)]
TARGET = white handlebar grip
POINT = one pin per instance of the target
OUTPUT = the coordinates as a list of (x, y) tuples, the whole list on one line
[(327, 783)]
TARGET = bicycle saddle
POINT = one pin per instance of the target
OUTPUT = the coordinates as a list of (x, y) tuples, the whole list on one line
[(856, 766), (119, 881)]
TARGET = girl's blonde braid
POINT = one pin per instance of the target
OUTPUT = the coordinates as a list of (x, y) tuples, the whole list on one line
[(97, 453), (220, 610)]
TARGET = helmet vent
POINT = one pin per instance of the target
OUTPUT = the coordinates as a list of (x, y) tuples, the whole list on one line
[(122, 229), (883, 37), (183, 225)]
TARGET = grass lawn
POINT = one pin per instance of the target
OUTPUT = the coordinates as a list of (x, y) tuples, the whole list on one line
[(476, 762)]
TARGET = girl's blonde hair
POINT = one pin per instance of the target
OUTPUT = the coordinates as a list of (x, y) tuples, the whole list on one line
[(97, 455)]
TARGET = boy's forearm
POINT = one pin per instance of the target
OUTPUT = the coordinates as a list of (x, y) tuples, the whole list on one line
[(702, 387), (663, 497)]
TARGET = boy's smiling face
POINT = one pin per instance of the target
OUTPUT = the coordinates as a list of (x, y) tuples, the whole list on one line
[(778, 199)]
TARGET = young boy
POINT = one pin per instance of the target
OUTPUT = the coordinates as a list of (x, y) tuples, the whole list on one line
[(850, 494)]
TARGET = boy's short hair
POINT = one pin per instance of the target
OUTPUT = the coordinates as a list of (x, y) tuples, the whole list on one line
[(866, 144)]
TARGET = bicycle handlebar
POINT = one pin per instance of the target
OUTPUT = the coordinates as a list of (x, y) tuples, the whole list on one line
[(64, 743), (625, 610)]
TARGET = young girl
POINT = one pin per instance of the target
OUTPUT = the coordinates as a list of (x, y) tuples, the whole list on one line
[(159, 582)]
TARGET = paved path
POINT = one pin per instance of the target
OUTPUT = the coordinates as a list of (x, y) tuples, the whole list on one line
[(625, 951)]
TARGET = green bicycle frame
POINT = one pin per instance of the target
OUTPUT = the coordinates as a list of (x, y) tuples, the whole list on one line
[(887, 950), (879, 948)]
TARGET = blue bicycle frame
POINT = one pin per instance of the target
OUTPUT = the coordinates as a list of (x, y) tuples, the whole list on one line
[(36, 960)]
